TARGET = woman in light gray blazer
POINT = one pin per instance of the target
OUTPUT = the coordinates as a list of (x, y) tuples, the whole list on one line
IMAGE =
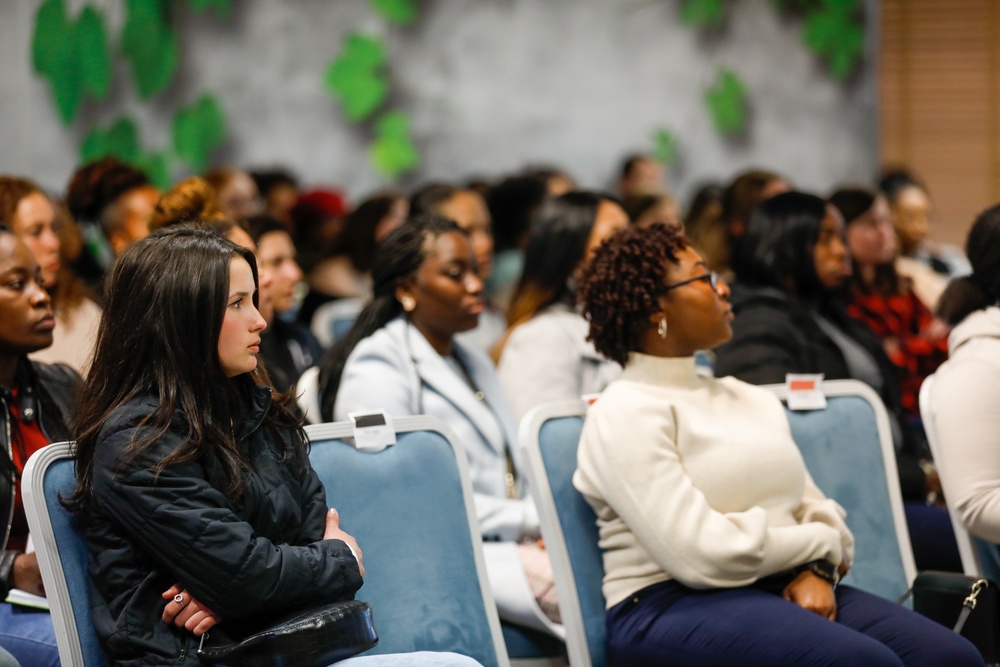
[(401, 356)]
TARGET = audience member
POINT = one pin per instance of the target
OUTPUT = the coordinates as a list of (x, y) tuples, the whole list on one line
[(640, 174), (964, 394), (288, 347), (645, 209), (915, 341), (402, 356), (545, 355), (557, 182), (927, 264), (37, 222), (279, 190), (468, 210), (112, 203), (718, 547), (317, 220), (705, 228), (790, 319), (193, 201), (235, 192), (37, 401), (512, 204), (195, 491), (743, 193)]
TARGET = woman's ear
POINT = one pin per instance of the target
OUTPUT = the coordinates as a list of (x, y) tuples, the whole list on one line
[(405, 295)]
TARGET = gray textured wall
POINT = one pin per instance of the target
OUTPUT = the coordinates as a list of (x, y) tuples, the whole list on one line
[(490, 84)]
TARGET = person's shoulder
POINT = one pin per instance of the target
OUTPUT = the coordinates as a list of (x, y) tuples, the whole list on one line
[(58, 374)]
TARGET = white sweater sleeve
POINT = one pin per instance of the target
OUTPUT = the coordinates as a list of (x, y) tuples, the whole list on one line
[(968, 426), (636, 467)]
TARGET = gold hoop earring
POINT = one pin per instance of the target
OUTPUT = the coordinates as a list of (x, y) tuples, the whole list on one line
[(661, 328), (408, 303)]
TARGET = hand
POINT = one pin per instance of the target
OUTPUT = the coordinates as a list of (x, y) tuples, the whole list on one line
[(27, 576), (812, 594), (188, 613), (333, 532)]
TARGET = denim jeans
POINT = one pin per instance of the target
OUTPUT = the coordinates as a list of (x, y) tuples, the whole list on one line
[(27, 635)]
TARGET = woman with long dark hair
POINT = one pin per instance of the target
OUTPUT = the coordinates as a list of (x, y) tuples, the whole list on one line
[(36, 409), (402, 356), (545, 355), (965, 391), (194, 488), (718, 548), (791, 318)]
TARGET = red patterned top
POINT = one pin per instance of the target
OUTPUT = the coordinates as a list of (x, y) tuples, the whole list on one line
[(901, 322)]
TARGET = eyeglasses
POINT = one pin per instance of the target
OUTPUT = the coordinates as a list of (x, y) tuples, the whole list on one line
[(711, 277)]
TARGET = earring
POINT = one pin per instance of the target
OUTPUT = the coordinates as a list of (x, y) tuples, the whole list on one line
[(661, 328), (408, 303)]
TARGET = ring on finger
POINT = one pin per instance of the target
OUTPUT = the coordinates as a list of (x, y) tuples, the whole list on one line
[(179, 599)]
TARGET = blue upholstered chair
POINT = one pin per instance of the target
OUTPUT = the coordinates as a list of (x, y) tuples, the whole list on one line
[(549, 436), (848, 450), (410, 508), (979, 557), (333, 320), (62, 554)]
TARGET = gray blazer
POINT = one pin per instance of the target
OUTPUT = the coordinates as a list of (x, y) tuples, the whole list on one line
[(397, 370)]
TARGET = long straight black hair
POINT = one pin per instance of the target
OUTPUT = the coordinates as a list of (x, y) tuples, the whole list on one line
[(397, 258), (166, 299), (968, 294)]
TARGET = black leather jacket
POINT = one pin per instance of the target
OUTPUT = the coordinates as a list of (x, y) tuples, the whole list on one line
[(246, 560), (48, 395)]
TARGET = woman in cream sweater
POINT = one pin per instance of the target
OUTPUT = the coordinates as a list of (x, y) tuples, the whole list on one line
[(718, 548)]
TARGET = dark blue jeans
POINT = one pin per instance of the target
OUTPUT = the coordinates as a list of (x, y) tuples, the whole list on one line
[(753, 626), (27, 634)]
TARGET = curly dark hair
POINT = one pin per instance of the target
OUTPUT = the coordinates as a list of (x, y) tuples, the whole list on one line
[(620, 287)]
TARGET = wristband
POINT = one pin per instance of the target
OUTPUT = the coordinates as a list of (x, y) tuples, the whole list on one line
[(7, 559), (823, 569)]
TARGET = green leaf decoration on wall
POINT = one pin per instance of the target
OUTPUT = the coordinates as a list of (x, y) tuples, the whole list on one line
[(834, 32), (392, 152), (156, 165), (150, 45), (396, 11), (703, 13), (222, 8), (355, 77), (92, 48), (664, 147), (726, 101), (120, 140), (197, 131), (72, 55)]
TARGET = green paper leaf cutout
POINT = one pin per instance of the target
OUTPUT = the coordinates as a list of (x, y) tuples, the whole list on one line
[(664, 147), (120, 140), (396, 11), (156, 166), (222, 8), (53, 51), (92, 47), (833, 31), (150, 46), (355, 77), (197, 131), (703, 13), (726, 101), (392, 152)]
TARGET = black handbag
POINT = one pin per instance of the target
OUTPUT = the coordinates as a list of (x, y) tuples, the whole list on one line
[(968, 605), (315, 638)]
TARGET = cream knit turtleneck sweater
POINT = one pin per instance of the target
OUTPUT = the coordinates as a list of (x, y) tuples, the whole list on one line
[(699, 480)]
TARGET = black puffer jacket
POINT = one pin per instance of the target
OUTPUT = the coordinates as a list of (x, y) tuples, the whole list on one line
[(48, 395), (248, 562), (774, 335)]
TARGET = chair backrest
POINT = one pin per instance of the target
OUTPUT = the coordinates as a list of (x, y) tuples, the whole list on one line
[(410, 508), (849, 452), (333, 320), (549, 436), (966, 546), (62, 553)]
